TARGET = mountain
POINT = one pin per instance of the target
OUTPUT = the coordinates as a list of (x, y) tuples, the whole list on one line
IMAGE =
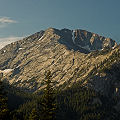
[(71, 55)]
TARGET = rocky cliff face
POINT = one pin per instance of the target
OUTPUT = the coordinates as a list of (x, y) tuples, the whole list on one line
[(92, 41), (70, 55)]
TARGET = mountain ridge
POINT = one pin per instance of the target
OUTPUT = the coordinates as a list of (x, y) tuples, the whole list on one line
[(53, 50)]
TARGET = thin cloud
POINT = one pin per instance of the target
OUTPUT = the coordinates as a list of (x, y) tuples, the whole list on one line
[(4, 21), (8, 40), (7, 20)]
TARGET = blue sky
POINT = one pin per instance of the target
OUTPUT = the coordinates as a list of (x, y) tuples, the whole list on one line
[(19, 18)]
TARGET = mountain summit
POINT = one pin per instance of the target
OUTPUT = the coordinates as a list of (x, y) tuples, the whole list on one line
[(70, 55), (83, 39)]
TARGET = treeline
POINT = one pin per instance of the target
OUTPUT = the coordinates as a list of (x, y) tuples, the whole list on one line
[(74, 103)]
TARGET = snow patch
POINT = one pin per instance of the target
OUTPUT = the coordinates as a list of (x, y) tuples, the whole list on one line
[(41, 38), (86, 47), (20, 48), (73, 39), (113, 47), (73, 36)]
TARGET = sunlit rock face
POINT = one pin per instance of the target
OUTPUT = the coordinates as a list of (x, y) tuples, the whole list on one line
[(69, 54)]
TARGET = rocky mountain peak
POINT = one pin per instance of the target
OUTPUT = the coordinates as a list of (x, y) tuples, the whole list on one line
[(92, 41), (65, 52), (81, 40)]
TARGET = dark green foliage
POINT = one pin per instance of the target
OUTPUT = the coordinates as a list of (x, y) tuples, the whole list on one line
[(34, 115), (14, 115), (72, 104), (76, 103), (48, 100), (21, 103), (3, 103), (30, 101)]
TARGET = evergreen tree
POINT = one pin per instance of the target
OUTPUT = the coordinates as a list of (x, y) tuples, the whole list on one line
[(34, 115), (48, 101), (90, 106), (79, 103), (3, 103)]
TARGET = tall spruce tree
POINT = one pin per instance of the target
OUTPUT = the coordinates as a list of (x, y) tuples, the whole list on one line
[(79, 103), (48, 101), (34, 115), (3, 103), (90, 106)]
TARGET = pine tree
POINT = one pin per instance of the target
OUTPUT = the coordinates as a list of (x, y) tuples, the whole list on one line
[(79, 103), (34, 115), (3, 103), (90, 109), (48, 102)]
